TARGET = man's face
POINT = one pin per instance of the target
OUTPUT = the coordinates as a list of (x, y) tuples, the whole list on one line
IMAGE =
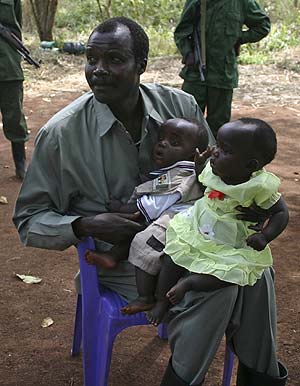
[(111, 69)]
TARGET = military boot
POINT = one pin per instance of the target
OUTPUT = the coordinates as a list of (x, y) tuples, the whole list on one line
[(170, 378), (19, 156), (250, 377)]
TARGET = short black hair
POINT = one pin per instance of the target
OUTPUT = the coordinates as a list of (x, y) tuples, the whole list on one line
[(202, 133), (139, 37), (264, 138)]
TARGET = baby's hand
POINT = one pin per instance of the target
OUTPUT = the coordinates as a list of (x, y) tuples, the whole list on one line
[(257, 241), (200, 159)]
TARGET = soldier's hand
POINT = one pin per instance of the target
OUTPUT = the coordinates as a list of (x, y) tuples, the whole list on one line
[(189, 60), (237, 48)]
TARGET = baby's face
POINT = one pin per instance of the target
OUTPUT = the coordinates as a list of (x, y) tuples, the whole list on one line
[(231, 157), (177, 142)]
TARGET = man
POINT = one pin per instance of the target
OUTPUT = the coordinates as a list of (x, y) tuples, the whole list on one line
[(220, 33), (11, 86), (101, 146)]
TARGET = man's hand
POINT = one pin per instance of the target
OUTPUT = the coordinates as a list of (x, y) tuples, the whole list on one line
[(200, 159), (189, 60), (110, 227), (253, 214), (113, 205), (257, 241), (237, 48)]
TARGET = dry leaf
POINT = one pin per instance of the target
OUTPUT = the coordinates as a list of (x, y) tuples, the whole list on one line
[(47, 322), (3, 200), (29, 279)]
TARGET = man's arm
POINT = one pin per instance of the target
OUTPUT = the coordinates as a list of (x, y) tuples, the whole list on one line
[(40, 212), (18, 12), (42, 209), (257, 21), (278, 220), (184, 30)]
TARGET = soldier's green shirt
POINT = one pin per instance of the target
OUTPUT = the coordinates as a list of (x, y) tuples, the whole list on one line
[(224, 26), (10, 60), (82, 156)]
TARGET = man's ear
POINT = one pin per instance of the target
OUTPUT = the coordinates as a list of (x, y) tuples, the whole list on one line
[(253, 165), (142, 66)]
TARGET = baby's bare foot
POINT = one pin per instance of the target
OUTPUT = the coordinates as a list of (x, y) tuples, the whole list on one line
[(156, 315), (142, 303), (103, 259), (176, 293)]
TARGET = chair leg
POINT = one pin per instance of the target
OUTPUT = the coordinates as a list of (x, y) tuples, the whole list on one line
[(228, 366), (77, 335), (97, 352), (163, 331)]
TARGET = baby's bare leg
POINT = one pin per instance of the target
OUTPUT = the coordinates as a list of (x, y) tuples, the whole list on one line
[(194, 282), (146, 285), (168, 276), (109, 259)]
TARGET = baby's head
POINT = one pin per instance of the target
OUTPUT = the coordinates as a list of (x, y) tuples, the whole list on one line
[(178, 140), (243, 146)]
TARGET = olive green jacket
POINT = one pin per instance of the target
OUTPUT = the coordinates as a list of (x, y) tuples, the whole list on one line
[(10, 60), (224, 27)]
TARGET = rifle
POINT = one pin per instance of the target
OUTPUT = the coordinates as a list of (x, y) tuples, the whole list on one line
[(17, 44), (197, 54)]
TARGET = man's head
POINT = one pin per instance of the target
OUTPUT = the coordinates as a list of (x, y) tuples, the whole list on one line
[(178, 140), (117, 52), (243, 146)]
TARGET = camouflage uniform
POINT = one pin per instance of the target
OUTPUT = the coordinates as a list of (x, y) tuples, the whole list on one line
[(11, 82), (224, 22)]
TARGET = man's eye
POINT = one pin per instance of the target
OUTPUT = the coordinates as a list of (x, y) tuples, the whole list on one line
[(116, 60), (91, 60)]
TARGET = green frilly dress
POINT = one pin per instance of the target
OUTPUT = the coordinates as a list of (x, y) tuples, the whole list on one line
[(208, 238)]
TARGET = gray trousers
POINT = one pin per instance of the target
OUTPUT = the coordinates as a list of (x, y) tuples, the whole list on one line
[(247, 315)]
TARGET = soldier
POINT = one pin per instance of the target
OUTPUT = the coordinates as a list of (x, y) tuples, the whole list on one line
[(220, 42), (11, 86)]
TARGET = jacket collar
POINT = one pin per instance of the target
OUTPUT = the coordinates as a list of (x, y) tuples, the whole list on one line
[(106, 118)]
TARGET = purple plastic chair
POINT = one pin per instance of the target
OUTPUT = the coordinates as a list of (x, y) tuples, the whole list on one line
[(98, 320)]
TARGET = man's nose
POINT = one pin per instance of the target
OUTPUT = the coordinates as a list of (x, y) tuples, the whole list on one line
[(100, 68)]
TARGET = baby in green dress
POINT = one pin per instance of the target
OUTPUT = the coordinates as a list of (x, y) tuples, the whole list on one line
[(207, 246)]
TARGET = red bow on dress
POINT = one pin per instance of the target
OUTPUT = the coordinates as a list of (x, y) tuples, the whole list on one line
[(216, 194)]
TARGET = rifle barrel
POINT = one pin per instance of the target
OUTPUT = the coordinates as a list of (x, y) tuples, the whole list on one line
[(197, 53), (17, 44)]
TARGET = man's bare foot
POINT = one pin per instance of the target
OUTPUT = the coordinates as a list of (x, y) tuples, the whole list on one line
[(156, 315), (101, 259), (176, 293), (142, 303)]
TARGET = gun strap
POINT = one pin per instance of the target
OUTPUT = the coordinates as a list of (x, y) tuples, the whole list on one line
[(202, 30)]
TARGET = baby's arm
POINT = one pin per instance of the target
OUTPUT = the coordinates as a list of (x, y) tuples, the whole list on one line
[(278, 220), (200, 159)]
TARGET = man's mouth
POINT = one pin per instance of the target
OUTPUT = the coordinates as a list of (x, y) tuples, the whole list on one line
[(101, 86)]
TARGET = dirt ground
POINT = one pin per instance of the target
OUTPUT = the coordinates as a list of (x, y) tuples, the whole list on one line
[(37, 356)]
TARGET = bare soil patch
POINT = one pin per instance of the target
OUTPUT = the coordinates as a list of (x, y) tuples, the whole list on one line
[(36, 356)]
